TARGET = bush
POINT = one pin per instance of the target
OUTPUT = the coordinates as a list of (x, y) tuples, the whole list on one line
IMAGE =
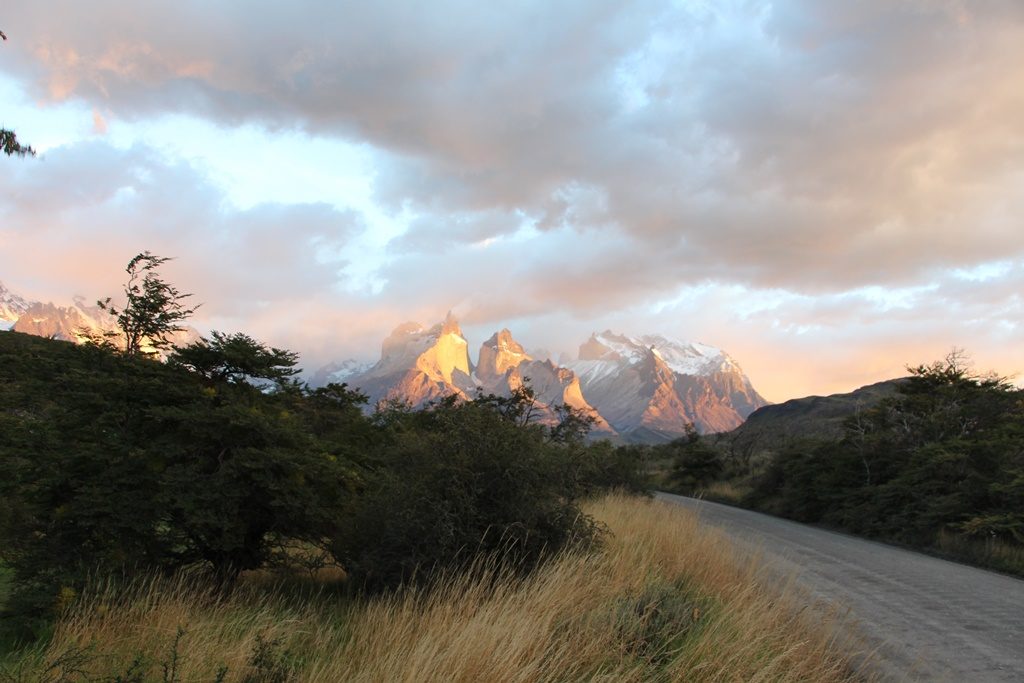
[(695, 464), (114, 464), (455, 482)]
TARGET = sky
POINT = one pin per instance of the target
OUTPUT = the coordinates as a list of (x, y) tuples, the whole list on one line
[(829, 191)]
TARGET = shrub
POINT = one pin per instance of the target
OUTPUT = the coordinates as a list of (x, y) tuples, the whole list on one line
[(452, 483)]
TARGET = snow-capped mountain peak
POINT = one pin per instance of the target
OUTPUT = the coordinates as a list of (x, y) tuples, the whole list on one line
[(12, 307), (339, 372), (656, 384)]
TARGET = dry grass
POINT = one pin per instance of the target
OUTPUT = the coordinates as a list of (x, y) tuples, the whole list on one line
[(725, 491), (666, 599)]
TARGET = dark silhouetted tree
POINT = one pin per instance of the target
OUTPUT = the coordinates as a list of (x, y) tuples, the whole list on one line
[(153, 308), (237, 358)]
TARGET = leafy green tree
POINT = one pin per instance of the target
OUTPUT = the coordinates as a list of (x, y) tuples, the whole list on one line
[(573, 425), (241, 476), (942, 457), (237, 358), (114, 464), (456, 481), (695, 463), (153, 309)]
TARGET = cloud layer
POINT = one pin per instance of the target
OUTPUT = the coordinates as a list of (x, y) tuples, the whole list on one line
[(602, 162)]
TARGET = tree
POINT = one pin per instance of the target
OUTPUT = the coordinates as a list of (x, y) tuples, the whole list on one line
[(940, 461), (114, 465), (237, 358), (10, 145), (9, 140), (153, 310), (696, 464)]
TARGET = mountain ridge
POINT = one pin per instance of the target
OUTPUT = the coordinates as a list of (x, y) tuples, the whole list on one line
[(646, 389)]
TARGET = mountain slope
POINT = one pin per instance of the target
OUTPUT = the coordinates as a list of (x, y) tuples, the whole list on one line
[(67, 323), (817, 417), (504, 366), (12, 307), (73, 323), (650, 387), (419, 365)]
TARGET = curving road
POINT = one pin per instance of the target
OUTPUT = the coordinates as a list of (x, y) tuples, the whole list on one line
[(925, 618)]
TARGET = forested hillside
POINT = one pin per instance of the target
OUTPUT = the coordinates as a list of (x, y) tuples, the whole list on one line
[(935, 461)]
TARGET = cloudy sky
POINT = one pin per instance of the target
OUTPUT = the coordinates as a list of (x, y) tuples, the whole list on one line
[(828, 190)]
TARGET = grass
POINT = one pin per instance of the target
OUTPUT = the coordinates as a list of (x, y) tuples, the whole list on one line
[(729, 492), (666, 599), (990, 553)]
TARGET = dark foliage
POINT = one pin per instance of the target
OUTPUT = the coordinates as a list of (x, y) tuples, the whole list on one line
[(11, 146), (457, 481), (9, 139), (695, 463), (153, 308), (236, 358), (944, 455), (115, 464)]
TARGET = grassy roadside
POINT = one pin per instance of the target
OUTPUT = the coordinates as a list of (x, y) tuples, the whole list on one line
[(664, 600), (985, 553)]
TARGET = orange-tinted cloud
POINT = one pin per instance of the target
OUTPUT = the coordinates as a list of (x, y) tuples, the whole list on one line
[(590, 161)]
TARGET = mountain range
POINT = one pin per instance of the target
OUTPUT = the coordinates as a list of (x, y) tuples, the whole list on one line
[(638, 389), (72, 323), (646, 388)]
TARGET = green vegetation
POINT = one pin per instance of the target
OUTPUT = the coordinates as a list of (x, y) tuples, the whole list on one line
[(11, 146), (153, 309), (117, 464), (218, 462), (935, 461)]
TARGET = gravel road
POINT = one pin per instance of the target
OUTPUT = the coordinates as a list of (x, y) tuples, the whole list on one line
[(926, 618)]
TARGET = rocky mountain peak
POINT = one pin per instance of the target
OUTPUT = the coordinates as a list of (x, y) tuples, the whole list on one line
[(639, 388), (12, 307), (450, 325), (499, 354), (418, 365), (653, 386)]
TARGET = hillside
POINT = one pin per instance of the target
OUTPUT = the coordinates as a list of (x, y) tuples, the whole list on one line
[(932, 461), (113, 461), (811, 417)]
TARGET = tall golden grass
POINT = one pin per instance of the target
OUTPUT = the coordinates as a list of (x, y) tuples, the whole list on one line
[(664, 599)]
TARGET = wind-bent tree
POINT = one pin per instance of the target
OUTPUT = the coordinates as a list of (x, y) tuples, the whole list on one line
[(237, 358), (154, 309)]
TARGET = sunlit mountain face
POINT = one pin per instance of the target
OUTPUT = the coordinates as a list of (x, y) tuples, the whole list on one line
[(644, 389), (830, 191)]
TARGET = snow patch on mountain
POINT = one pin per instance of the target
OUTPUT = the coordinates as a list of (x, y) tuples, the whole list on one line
[(653, 384), (12, 307), (339, 372)]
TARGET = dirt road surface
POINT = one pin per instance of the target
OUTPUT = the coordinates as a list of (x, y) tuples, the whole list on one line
[(924, 618)]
